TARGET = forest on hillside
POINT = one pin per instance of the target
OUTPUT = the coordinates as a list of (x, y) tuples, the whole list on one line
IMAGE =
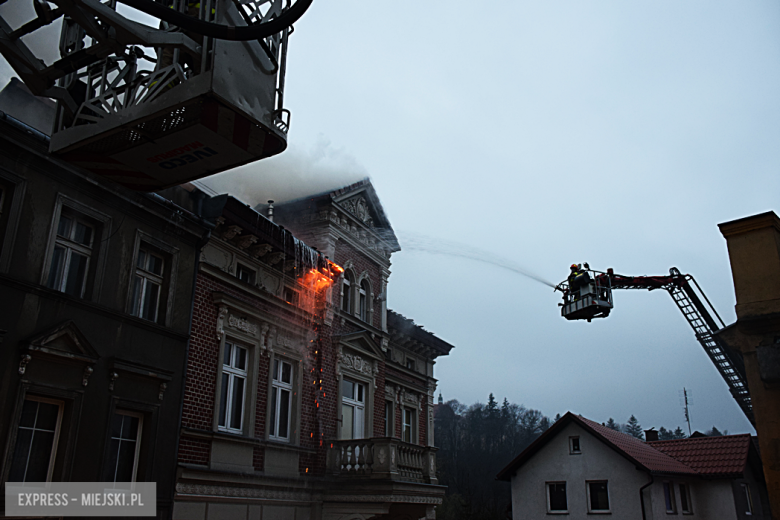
[(475, 442)]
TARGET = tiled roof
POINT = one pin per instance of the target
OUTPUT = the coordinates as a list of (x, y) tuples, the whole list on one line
[(705, 456), (647, 456), (709, 456)]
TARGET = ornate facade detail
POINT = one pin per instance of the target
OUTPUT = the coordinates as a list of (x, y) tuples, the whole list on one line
[(260, 250), (163, 388), (223, 311), (359, 207), (359, 364), (245, 241), (85, 375), (242, 492), (113, 377), (26, 358), (243, 325), (275, 258), (231, 232), (285, 341)]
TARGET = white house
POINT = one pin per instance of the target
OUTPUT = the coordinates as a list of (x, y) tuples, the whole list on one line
[(579, 468)]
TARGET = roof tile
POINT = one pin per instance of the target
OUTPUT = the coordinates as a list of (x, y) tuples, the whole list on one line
[(711, 456)]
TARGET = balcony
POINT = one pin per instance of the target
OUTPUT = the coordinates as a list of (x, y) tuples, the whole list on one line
[(382, 458)]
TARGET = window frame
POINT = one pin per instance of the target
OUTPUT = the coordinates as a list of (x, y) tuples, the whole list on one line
[(57, 432), (277, 386), (669, 498), (147, 278), (138, 440), (71, 247), (170, 254), (389, 418), (575, 448), (233, 373), (413, 425), (101, 226), (686, 507), (550, 510), (591, 510), (748, 498), (355, 404), (347, 283), (241, 268)]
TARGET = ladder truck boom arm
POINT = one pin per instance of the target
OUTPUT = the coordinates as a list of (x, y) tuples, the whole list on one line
[(589, 296)]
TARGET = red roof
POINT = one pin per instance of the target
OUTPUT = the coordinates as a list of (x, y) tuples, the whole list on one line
[(643, 454), (710, 456), (703, 456)]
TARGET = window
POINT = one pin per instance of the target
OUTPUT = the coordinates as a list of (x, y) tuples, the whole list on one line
[(556, 497), (147, 284), (409, 425), (72, 253), (353, 405), (281, 400), (389, 419), (748, 499), (685, 499), (36, 440), (245, 274), (290, 296), (346, 293), (598, 497), (363, 293), (410, 363), (234, 374), (671, 504), (124, 447), (574, 446)]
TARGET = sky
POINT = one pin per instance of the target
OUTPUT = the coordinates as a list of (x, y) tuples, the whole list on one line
[(537, 134)]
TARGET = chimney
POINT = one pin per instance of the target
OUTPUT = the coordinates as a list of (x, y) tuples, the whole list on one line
[(271, 210), (651, 435)]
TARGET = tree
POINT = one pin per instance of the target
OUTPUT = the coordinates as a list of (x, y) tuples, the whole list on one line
[(679, 434), (664, 434), (714, 432), (557, 417), (634, 429), (612, 425)]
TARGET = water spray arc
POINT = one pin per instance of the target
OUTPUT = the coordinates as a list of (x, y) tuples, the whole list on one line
[(422, 243)]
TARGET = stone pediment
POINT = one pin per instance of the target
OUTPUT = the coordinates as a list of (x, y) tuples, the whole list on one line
[(359, 207), (361, 343), (65, 341)]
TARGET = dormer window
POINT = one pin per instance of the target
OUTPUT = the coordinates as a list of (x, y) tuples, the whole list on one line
[(574, 446)]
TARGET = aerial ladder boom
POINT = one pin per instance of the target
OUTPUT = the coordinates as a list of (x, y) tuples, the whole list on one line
[(588, 295)]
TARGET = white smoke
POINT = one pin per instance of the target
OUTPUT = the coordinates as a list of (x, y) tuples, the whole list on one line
[(295, 173)]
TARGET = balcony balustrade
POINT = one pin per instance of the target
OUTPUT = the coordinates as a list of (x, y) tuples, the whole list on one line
[(382, 458)]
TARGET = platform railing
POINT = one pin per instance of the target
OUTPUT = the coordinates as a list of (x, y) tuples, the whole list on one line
[(382, 458)]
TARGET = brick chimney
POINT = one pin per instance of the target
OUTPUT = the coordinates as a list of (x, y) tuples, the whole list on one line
[(651, 435)]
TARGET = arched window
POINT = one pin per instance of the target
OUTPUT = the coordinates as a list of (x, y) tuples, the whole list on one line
[(346, 292), (364, 293)]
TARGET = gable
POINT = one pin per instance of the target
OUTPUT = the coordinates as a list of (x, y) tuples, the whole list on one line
[(64, 341)]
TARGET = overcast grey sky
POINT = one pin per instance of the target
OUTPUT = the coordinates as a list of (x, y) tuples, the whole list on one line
[(549, 132), (546, 132)]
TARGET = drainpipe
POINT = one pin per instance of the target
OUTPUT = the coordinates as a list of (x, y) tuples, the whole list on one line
[(271, 210), (642, 497)]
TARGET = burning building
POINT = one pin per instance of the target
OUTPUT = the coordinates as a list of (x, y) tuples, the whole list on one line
[(306, 397)]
